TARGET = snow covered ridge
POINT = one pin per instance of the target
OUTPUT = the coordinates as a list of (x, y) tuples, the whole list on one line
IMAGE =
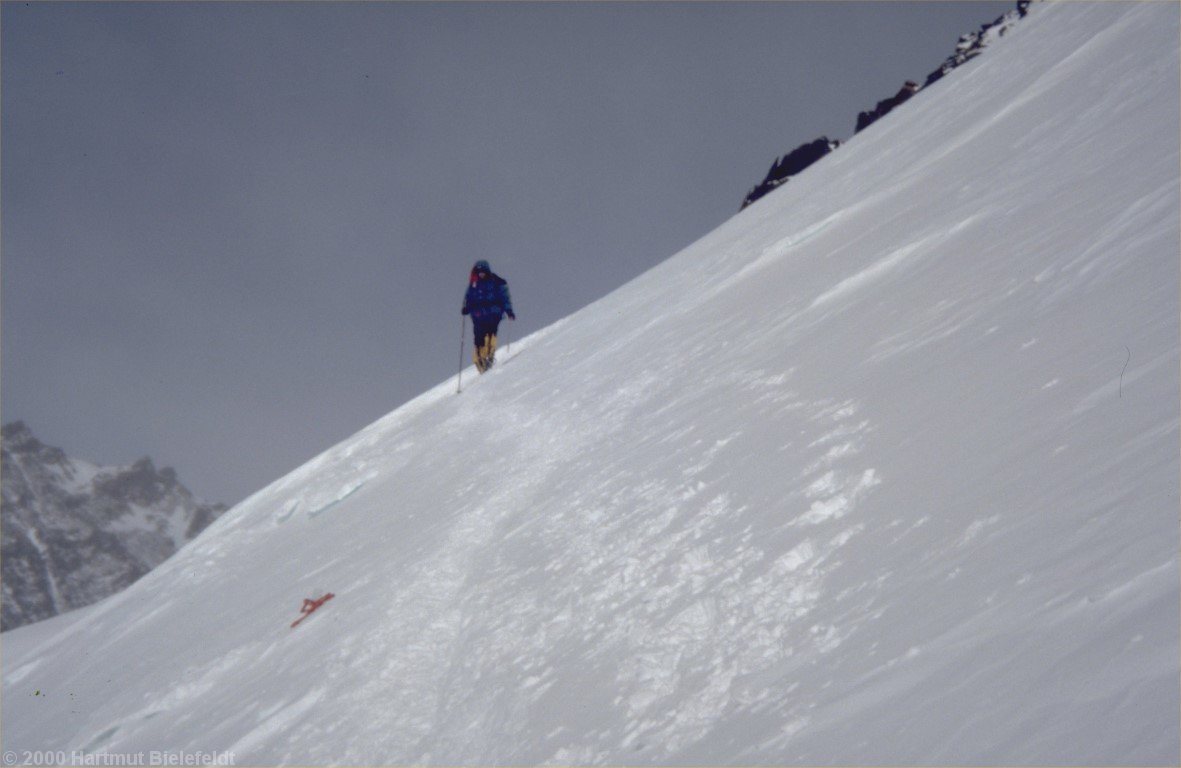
[(970, 45), (74, 533), (881, 471)]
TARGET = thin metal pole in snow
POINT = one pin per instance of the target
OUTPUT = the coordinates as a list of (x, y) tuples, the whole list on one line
[(462, 338)]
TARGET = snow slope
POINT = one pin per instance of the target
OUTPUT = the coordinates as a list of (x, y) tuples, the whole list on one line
[(882, 471)]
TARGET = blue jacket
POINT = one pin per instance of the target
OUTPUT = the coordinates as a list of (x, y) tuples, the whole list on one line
[(487, 299)]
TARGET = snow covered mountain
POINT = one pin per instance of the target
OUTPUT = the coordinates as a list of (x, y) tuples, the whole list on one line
[(970, 45), (884, 470), (74, 533)]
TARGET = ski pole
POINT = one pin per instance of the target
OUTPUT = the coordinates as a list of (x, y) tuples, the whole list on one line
[(462, 335)]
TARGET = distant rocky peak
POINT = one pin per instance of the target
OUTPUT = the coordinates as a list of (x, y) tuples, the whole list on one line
[(19, 439), (16, 434), (141, 483), (74, 532)]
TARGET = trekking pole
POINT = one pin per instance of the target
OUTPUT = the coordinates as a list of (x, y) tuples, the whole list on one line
[(462, 338)]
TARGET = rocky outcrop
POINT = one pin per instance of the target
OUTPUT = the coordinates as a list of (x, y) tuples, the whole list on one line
[(72, 533), (868, 118), (791, 164), (970, 46)]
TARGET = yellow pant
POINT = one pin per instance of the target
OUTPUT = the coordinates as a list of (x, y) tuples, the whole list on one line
[(485, 352)]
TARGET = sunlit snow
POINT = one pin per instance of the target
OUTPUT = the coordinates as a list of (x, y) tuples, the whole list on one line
[(884, 470)]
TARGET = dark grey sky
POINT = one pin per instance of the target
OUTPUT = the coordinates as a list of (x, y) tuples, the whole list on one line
[(235, 233)]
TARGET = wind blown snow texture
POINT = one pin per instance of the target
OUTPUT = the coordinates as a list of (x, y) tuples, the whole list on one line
[(866, 475)]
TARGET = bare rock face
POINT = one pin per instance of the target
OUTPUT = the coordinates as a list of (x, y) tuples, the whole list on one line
[(969, 46), (869, 117), (72, 533), (791, 164)]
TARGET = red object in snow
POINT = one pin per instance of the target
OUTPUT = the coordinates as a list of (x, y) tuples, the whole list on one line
[(311, 605)]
